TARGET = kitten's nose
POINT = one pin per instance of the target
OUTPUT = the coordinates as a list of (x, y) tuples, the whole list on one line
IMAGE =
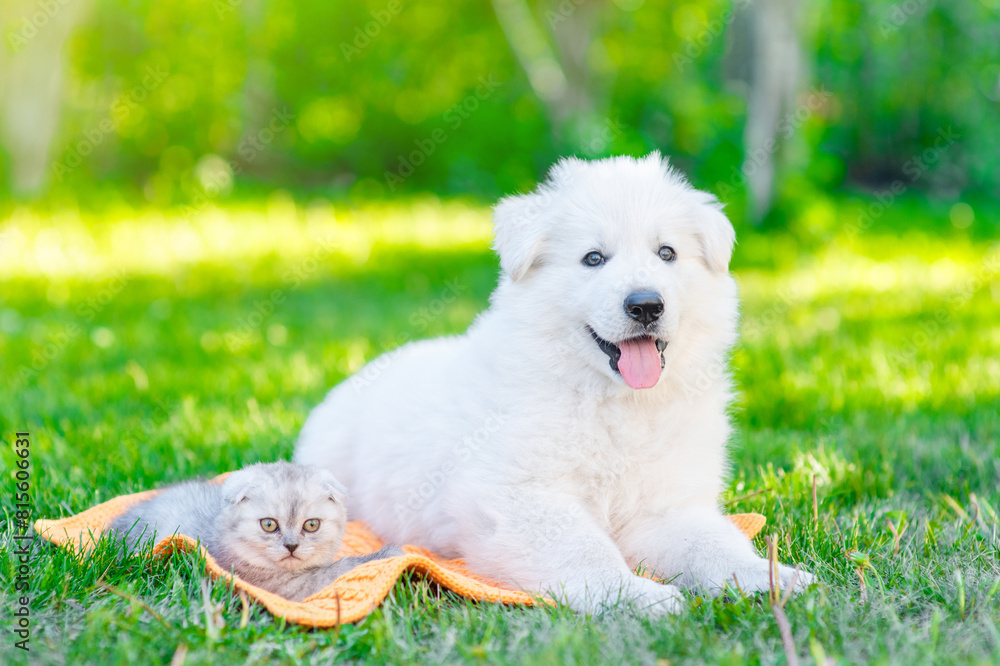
[(291, 547)]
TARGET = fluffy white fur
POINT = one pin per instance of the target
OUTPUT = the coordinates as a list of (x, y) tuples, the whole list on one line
[(519, 448)]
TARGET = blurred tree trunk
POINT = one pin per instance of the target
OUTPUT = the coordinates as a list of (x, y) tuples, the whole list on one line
[(31, 84), (562, 74), (259, 96), (775, 71)]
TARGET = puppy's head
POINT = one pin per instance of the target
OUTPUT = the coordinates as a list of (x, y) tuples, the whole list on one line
[(615, 257)]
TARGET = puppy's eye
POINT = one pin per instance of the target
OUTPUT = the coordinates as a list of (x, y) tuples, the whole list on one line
[(593, 259), (268, 524), (667, 253), (311, 525)]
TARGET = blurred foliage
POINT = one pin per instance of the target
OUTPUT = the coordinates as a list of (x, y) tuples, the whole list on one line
[(336, 96)]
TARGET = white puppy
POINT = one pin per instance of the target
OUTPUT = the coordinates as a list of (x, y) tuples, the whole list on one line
[(573, 433)]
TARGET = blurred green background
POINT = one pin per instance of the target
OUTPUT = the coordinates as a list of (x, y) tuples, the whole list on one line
[(163, 102)]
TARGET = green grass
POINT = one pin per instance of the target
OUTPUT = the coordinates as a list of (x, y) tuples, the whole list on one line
[(130, 350)]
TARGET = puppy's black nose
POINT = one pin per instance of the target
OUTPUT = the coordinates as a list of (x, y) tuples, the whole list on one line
[(644, 306), (291, 547)]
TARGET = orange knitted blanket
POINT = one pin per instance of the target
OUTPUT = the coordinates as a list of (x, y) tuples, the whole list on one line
[(349, 598)]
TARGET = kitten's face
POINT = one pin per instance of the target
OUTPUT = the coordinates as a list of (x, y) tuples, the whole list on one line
[(285, 516)]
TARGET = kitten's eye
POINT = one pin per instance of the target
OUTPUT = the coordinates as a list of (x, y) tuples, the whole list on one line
[(667, 253), (593, 259), (311, 525), (268, 524)]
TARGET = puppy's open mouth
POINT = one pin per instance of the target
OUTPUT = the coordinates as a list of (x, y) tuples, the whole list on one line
[(638, 360)]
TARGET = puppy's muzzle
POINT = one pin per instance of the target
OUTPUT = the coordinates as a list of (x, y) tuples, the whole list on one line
[(644, 306)]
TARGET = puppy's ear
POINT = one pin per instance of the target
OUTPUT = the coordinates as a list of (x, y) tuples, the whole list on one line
[(518, 232), (657, 159), (521, 221), (565, 171), (238, 486), (717, 236), (334, 489)]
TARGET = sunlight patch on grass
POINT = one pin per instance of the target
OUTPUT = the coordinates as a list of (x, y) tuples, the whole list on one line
[(149, 242), (916, 269)]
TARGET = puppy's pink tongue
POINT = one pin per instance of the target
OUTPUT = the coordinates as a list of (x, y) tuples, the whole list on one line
[(639, 363)]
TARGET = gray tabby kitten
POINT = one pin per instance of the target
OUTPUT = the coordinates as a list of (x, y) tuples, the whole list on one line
[(276, 525)]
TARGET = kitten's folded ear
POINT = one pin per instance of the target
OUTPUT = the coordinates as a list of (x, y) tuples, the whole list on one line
[(237, 487), (330, 484)]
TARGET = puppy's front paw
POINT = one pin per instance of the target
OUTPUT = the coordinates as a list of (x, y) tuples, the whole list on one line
[(804, 580), (641, 595), (756, 577), (656, 599)]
